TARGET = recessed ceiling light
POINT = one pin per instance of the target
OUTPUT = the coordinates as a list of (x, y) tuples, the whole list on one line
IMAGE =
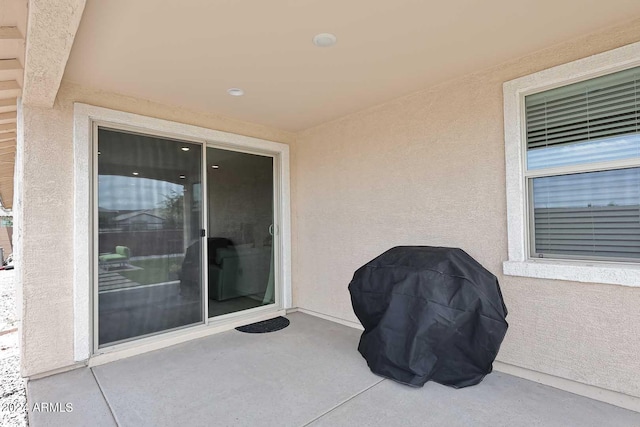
[(215, 166), (136, 173), (185, 148), (324, 40), (182, 177), (234, 91)]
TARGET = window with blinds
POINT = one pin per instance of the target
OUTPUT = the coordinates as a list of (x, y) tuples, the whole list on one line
[(583, 169)]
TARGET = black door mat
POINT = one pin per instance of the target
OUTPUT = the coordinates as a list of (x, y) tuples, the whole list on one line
[(270, 325)]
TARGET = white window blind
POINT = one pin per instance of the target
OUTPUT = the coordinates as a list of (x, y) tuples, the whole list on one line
[(594, 214), (599, 108)]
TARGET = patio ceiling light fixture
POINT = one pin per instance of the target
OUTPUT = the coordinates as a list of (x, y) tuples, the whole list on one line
[(136, 173), (185, 148), (215, 167), (182, 176), (324, 40), (235, 91)]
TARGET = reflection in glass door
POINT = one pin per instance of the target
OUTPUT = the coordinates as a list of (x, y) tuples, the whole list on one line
[(240, 242), (149, 219)]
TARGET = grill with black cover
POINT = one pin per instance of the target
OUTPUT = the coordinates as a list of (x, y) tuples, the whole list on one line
[(429, 313)]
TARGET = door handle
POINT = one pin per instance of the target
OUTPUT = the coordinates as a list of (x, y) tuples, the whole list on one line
[(271, 229)]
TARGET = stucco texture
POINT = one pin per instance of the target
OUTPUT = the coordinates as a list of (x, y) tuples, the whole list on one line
[(46, 210), (429, 169)]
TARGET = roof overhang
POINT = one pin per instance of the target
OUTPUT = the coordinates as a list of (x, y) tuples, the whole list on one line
[(13, 23), (31, 68)]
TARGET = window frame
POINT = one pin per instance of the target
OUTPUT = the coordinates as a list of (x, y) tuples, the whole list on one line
[(522, 260)]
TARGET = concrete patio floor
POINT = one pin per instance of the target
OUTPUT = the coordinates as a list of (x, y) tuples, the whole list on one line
[(307, 374)]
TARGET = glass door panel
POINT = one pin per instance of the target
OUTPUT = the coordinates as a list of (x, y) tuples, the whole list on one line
[(149, 222), (240, 238)]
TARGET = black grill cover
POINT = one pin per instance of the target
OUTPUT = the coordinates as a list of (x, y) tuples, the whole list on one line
[(428, 314)]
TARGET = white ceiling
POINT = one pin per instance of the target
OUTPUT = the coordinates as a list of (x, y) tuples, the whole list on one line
[(189, 52)]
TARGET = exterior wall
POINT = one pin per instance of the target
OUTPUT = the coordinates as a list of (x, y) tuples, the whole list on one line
[(429, 169), (44, 178)]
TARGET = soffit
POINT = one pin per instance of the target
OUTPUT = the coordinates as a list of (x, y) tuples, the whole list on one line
[(13, 23), (188, 53)]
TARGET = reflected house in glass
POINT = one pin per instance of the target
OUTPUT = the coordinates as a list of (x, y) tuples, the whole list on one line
[(144, 220)]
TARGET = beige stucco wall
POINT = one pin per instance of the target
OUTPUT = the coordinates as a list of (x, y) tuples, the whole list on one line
[(46, 210), (428, 169)]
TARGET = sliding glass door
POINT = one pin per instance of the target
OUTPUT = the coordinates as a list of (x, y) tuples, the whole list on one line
[(149, 201), (240, 241), (177, 245)]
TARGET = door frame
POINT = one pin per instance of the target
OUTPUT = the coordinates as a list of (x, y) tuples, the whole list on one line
[(277, 243), (86, 120)]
